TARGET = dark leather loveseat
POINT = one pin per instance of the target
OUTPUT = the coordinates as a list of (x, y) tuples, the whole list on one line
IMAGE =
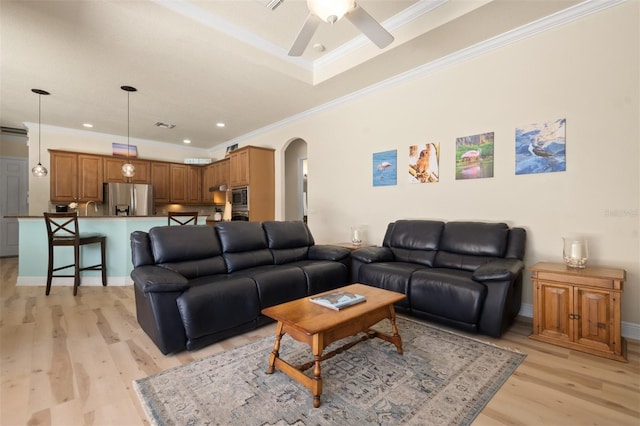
[(466, 275), (196, 284)]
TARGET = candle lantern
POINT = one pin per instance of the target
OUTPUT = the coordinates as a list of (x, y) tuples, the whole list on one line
[(576, 252), (356, 235)]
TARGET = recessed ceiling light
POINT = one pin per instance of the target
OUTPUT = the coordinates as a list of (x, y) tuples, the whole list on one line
[(186, 141), (220, 124), (88, 125)]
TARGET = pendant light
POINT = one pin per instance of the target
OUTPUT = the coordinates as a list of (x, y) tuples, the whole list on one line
[(39, 170), (128, 170)]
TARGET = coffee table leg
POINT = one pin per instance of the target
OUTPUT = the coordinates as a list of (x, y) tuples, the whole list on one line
[(316, 385), (276, 349), (395, 338)]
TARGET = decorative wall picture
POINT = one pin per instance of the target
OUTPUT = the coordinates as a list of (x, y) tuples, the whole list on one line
[(540, 148), (120, 150), (424, 163), (474, 156), (231, 148), (385, 168)]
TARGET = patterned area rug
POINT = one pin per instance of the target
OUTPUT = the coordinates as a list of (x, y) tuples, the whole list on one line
[(441, 379)]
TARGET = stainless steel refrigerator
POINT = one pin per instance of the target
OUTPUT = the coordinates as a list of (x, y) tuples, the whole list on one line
[(128, 199)]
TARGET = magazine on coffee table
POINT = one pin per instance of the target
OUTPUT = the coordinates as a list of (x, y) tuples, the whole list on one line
[(338, 299)]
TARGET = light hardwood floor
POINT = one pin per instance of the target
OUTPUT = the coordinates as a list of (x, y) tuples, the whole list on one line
[(68, 360)]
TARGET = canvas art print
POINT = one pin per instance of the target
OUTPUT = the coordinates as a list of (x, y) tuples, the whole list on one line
[(424, 161), (385, 168), (120, 150), (474, 156), (540, 148)]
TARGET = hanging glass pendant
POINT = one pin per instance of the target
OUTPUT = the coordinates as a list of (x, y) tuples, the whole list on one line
[(39, 170), (128, 170)]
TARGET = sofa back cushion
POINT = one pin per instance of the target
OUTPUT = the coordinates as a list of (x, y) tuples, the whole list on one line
[(415, 241), (191, 250), (469, 245), (244, 245), (288, 241)]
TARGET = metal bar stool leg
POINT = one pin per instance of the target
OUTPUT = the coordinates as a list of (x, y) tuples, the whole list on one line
[(49, 270), (76, 267), (103, 258)]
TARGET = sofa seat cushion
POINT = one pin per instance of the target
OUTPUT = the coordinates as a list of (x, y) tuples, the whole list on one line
[(448, 293), (322, 275), (393, 276), (221, 304), (276, 283)]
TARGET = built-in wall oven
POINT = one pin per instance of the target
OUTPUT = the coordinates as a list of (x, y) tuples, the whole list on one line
[(240, 215), (240, 203), (240, 198)]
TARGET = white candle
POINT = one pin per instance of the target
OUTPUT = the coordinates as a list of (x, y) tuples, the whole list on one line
[(576, 250)]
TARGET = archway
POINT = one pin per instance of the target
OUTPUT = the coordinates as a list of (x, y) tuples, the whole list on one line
[(295, 180)]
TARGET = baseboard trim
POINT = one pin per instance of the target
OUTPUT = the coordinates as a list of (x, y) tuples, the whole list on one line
[(628, 330)]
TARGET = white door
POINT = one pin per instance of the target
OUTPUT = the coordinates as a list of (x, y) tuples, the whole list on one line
[(14, 179)]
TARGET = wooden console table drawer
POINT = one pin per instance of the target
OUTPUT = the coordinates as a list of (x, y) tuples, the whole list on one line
[(579, 308)]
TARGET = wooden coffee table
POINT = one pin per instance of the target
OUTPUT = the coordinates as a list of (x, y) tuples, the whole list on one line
[(318, 327)]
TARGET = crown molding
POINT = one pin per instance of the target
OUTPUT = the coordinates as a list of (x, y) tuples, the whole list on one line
[(532, 29)]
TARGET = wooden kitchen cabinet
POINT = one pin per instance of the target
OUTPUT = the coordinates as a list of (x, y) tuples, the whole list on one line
[(254, 167), (579, 308), (239, 163), (113, 170), (75, 177), (178, 183), (221, 172), (160, 180), (194, 184)]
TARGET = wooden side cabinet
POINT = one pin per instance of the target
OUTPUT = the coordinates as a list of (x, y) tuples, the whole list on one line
[(579, 308)]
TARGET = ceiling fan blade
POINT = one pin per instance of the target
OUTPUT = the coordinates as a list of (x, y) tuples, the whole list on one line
[(369, 27), (304, 35)]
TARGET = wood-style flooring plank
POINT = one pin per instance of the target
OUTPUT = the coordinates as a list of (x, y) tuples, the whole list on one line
[(68, 360)]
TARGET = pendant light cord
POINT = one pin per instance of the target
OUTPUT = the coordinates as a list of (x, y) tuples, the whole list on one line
[(128, 125), (39, 125)]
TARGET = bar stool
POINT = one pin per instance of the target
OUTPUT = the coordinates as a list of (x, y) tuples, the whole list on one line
[(183, 218), (62, 230)]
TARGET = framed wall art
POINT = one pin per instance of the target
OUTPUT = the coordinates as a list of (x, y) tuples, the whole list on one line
[(385, 168), (541, 148)]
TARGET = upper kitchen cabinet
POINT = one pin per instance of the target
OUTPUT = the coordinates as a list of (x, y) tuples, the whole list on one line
[(160, 173), (194, 184), (75, 177), (213, 176), (239, 161), (113, 170), (179, 184)]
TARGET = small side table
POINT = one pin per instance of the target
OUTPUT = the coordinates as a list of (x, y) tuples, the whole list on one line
[(579, 308), (350, 246)]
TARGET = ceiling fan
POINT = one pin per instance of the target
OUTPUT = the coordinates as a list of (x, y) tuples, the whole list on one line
[(331, 11)]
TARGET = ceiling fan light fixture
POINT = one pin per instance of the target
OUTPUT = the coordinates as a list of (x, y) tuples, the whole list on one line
[(330, 11)]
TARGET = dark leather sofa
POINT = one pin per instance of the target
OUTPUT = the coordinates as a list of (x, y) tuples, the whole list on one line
[(466, 275), (196, 284)]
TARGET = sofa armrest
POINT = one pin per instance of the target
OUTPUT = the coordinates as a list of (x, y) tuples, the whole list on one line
[(154, 279), (373, 254), (499, 270), (327, 252)]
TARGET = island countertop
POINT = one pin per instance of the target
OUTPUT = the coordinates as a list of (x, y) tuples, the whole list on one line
[(33, 248)]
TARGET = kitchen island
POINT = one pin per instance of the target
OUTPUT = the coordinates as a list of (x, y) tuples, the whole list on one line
[(33, 248)]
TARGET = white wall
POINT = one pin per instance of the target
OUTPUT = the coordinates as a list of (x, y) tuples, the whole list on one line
[(586, 71), (93, 143)]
